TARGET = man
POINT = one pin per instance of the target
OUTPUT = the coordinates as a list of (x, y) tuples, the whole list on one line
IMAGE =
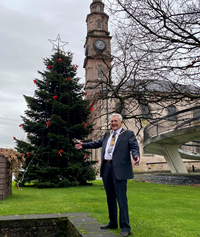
[(116, 168)]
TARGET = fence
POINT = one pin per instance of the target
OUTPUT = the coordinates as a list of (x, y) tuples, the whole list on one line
[(5, 178)]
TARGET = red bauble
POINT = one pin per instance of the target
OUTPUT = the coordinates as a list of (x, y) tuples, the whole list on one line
[(55, 97), (60, 152), (48, 123)]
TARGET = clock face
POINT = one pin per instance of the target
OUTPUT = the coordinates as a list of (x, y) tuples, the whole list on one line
[(100, 45)]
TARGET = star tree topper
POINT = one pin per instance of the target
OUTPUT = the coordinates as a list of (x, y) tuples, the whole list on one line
[(58, 43)]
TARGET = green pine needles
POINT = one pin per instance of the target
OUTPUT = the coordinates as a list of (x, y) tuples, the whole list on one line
[(55, 115)]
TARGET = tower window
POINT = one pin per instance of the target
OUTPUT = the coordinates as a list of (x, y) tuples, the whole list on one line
[(98, 24), (98, 8), (99, 72)]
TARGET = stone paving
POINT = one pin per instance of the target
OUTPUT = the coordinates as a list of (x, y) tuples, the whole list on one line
[(87, 225)]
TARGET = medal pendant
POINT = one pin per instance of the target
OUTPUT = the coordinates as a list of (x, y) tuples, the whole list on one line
[(112, 143)]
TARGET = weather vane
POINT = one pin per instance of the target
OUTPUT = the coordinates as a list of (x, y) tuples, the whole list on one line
[(58, 43)]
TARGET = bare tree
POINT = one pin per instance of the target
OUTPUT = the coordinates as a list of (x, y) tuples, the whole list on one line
[(156, 57), (165, 32)]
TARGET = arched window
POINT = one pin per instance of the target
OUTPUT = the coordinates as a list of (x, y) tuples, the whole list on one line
[(99, 72), (98, 24), (171, 110), (145, 111)]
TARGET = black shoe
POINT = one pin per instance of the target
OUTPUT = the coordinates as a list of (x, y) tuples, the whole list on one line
[(108, 226), (123, 233)]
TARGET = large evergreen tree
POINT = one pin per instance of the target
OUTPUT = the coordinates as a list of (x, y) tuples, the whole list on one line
[(55, 115)]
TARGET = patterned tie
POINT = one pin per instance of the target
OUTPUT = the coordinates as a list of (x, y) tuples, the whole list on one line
[(112, 143)]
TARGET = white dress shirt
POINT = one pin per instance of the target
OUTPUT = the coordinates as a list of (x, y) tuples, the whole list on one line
[(108, 156)]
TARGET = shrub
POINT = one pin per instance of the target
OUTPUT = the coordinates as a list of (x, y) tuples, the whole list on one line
[(75, 183), (44, 185), (14, 158), (64, 183)]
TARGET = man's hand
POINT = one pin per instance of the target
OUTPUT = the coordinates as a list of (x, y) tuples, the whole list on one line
[(136, 159), (79, 145)]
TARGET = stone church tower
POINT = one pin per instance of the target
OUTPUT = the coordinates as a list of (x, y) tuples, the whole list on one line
[(97, 62)]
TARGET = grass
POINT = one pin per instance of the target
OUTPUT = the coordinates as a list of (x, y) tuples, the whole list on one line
[(154, 209)]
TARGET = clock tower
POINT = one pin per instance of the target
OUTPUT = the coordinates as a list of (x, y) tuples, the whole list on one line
[(97, 61)]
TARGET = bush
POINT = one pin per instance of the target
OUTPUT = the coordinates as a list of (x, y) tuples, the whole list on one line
[(15, 159), (44, 185), (75, 183), (67, 183), (64, 183)]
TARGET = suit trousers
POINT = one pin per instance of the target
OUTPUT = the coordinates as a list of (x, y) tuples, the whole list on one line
[(116, 192)]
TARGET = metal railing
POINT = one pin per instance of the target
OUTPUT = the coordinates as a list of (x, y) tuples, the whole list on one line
[(181, 119), (193, 147)]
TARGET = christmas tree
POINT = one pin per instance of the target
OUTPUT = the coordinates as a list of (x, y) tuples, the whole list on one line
[(55, 115)]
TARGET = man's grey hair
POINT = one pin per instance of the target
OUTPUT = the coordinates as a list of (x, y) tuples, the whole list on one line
[(115, 114)]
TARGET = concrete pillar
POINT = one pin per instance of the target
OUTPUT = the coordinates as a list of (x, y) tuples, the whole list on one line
[(174, 159)]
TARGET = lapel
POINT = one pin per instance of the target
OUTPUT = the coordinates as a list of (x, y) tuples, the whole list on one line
[(119, 138)]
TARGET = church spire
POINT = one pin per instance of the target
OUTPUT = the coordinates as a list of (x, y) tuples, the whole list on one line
[(97, 0)]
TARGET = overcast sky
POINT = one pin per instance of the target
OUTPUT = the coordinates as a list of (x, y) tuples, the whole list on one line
[(25, 27)]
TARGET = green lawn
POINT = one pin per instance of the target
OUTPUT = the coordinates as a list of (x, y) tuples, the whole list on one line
[(155, 210)]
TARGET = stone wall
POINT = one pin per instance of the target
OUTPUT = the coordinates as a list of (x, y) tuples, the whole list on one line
[(37, 225), (52, 225)]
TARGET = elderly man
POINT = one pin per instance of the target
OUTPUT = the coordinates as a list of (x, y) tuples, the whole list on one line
[(116, 168)]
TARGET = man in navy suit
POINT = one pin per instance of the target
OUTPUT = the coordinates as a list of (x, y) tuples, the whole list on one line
[(116, 168)]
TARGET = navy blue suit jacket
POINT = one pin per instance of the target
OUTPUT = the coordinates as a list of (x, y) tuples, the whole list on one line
[(126, 144)]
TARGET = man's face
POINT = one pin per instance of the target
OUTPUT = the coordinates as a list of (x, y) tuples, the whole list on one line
[(115, 123)]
